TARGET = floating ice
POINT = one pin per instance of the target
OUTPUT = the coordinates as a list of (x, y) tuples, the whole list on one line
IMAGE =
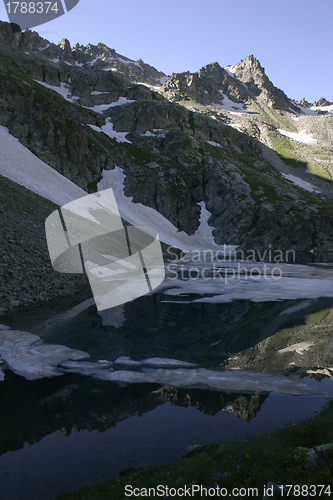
[(26, 355), (86, 365), (200, 378), (256, 281), (3, 328), (124, 360)]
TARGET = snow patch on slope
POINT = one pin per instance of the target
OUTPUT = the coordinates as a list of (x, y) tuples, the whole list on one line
[(229, 105), (327, 109), (301, 136), (18, 164), (63, 90), (164, 79), (100, 108), (96, 92), (230, 70), (303, 184), (108, 130), (140, 215), (216, 144)]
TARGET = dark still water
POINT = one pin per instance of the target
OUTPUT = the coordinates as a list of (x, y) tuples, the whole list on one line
[(58, 434)]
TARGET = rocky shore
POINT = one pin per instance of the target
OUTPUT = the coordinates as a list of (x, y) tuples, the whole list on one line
[(27, 277)]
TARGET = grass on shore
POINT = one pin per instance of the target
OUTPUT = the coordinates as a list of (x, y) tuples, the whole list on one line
[(250, 463)]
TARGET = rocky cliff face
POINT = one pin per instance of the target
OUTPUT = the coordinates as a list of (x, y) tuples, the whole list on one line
[(250, 72), (225, 136), (242, 82)]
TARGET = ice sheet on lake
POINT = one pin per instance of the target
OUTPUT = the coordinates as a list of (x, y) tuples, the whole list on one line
[(124, 360), (28, 356), (85, 366), (200, 378), (221, 282)]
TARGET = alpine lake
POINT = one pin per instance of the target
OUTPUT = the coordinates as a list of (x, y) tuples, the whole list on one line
[(195, 362)]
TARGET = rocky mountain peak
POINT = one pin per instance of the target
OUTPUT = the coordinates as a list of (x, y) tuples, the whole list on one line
[(64, 44), (250, 72), (91, 57), (252, 61), (205, 86), (26, 41), (322, 102), (66, 51), (92, 54)]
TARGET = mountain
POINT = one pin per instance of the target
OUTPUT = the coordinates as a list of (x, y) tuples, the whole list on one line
[(223, 139)]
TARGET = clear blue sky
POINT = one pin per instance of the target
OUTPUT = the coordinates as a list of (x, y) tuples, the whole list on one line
[(293, 39)]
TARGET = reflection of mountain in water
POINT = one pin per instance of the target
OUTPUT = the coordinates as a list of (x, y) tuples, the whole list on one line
[(206, 334), (245, 406), (32, 410)]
